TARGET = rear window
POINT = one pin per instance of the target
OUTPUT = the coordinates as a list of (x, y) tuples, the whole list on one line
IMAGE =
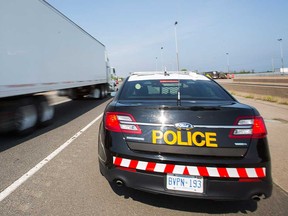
[(168, 90)]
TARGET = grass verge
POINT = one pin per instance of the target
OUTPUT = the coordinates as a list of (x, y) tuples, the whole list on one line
[(268, 98)]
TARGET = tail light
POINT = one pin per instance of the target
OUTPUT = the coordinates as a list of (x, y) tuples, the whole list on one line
[(121, 122), (253, 127)]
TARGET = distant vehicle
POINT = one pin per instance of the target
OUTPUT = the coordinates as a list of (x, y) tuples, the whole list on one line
[(182, 134), (113, 85), (222, 75), (43, 50), (212, 74), (229, 76), (218, 75), (283, 70)]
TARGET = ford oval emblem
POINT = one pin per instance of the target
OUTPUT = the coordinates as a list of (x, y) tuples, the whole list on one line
[(184, 126)]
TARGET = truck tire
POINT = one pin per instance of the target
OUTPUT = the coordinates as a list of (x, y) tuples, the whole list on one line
[(25, 118), (45, 112), (106, 90), (103, 91), (73, 94)]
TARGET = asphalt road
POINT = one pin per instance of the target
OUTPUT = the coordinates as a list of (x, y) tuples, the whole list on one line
[(273, 87), (69, 183)]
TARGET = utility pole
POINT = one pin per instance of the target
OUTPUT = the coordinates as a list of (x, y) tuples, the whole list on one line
[(177, 54), (228, 62), (281, 51), (156, 63), (162, 67)]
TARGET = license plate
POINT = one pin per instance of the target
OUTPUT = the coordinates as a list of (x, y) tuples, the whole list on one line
[(185, 183)]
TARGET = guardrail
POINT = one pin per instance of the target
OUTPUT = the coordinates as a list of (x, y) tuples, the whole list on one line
[(260, 74)]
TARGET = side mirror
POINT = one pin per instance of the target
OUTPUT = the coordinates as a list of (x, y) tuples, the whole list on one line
[(113, 94)]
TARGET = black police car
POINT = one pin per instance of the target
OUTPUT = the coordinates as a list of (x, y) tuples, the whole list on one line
[(180, 133)]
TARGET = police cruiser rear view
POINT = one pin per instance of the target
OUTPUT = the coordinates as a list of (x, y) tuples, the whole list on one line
[(180, 133)]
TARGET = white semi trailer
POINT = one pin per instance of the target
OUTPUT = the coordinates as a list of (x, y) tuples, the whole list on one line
[(42, 50)]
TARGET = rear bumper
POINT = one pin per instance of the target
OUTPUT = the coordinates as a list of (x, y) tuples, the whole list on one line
[(214, 188)]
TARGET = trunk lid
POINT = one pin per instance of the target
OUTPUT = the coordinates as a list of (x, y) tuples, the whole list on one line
[(194, 128)]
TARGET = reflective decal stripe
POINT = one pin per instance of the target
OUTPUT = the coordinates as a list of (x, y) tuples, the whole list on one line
[(232, 173), (125, 162), (117, 161), (213, 171), (261, 172), (178, 169), (141, 165), (159, 167), (150, 166), (221, 172), (203, 171), (133, 164), (169, 168)]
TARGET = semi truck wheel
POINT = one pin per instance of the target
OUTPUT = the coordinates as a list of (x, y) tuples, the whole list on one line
[(74, 95), (106, 90), (45, 112), (103, 91), (25, 117)]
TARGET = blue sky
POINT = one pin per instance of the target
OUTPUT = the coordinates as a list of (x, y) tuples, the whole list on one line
[(134, 31)]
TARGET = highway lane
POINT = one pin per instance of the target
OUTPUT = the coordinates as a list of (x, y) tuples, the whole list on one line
[(275, 89), (22, 153), (70, 184)]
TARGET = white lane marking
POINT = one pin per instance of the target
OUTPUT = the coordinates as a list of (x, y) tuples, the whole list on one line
[(5, 193), (64, 101)]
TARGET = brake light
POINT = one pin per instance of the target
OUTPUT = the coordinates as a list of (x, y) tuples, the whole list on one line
[(169, 81), (121, 122), (259, 128), (255, 128)]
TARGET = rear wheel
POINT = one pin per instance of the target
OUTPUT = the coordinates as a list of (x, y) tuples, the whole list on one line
[(103, 91), (45, 112), (25, 116), (74, 95)]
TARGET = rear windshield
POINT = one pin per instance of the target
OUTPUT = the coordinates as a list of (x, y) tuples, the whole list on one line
[(168, 90)]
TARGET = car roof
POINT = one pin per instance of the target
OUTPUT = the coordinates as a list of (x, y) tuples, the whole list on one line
[(166, 75)]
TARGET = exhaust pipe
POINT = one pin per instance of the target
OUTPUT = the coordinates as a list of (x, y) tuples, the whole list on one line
[(258, 197), (119, 183)]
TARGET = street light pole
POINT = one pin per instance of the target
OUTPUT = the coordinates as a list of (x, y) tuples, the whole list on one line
[(177, 54), (281, 51), (228, 63), (156, 63), (162, 68)]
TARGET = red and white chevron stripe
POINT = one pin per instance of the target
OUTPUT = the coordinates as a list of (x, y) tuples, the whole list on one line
[(221, 172)]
